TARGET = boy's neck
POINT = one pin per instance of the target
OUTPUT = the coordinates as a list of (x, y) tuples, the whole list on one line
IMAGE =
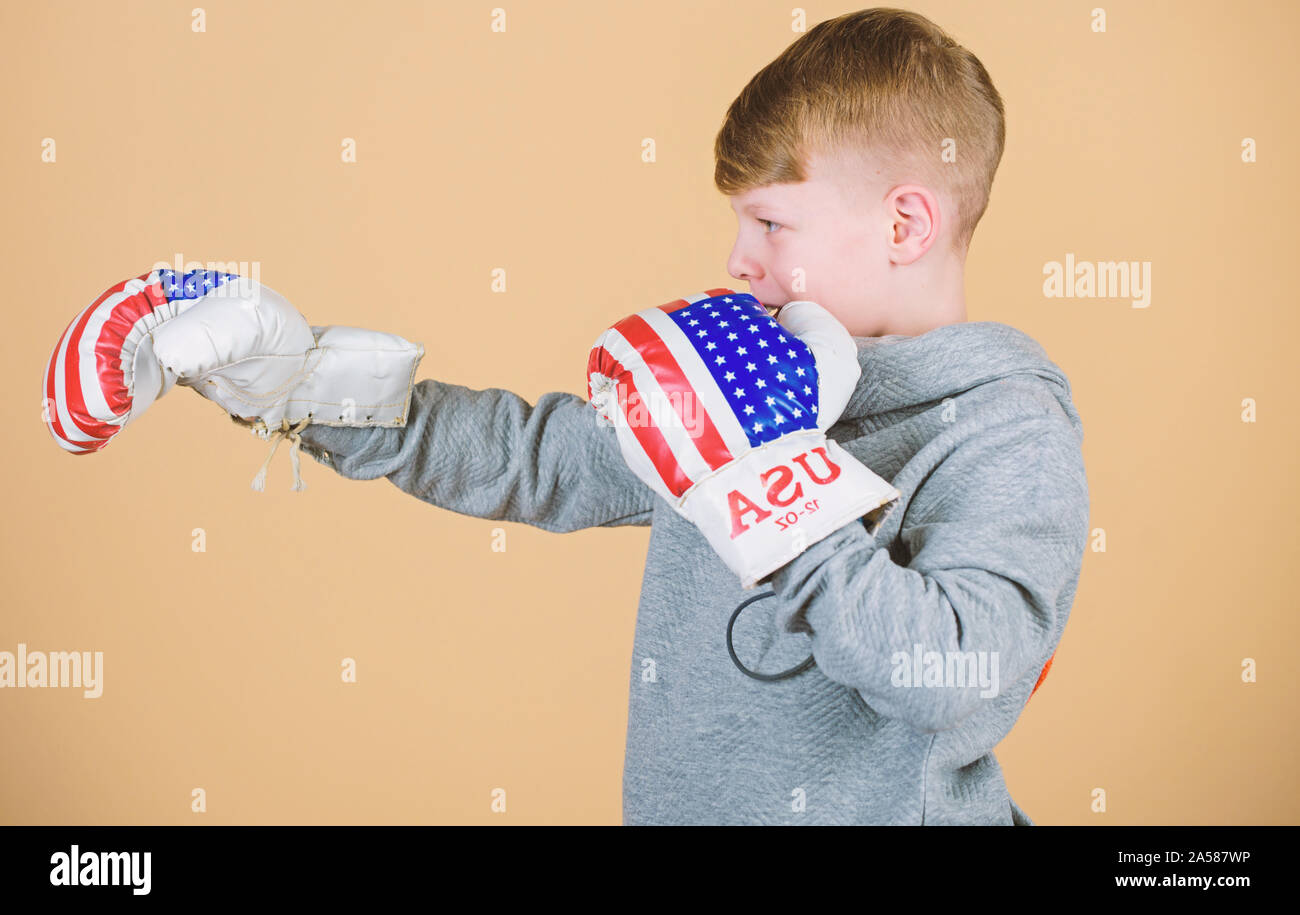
[(932, 303)]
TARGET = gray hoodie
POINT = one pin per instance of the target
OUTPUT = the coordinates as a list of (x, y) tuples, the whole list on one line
[(928, 637)]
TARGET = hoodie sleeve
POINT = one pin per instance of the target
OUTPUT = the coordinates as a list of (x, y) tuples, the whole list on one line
[(996, 534), (491, 454)]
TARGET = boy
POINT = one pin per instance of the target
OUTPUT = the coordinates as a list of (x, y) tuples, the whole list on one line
[(858, 163)]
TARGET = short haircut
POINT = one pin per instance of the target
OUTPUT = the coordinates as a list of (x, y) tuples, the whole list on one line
[(887, 84)]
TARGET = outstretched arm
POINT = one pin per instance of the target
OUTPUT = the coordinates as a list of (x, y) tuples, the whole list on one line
[(491, 454)]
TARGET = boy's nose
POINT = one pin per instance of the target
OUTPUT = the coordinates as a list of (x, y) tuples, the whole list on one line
[(743, 267)]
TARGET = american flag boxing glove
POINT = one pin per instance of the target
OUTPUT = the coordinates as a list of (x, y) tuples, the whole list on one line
[(238, 343), (723, 411)]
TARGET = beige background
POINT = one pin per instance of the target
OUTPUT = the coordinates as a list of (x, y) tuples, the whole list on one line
[(481, 669)]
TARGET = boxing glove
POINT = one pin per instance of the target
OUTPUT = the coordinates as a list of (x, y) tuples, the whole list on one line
[(723, 412), (239, 344)]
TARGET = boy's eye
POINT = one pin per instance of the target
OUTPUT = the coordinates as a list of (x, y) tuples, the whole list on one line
[(768, 222)]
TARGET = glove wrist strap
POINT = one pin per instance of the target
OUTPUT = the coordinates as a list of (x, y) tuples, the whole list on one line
[(764, 509)]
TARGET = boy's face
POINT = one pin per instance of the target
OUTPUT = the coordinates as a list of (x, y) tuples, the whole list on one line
[(824, 239)]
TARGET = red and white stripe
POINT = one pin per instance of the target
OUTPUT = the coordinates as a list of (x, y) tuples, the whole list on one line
[(89, 387), (649, 356)]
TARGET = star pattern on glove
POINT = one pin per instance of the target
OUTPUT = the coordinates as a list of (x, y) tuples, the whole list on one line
[(767, 376)]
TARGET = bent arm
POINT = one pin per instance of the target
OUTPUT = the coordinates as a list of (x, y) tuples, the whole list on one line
[(996, 534)]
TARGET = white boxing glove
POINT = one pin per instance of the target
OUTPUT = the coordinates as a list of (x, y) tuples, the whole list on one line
[(723, 411), (239, 344)]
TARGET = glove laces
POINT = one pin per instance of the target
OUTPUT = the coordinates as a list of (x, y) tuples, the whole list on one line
[(260, 429)]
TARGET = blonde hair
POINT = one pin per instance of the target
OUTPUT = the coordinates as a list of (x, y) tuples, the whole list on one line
[(883, 83)]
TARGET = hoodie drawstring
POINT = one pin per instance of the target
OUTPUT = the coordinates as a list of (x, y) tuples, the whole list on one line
[(784, 675)]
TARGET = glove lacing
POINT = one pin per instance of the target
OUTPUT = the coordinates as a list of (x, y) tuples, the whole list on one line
[(260, 429), (603, 390)]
